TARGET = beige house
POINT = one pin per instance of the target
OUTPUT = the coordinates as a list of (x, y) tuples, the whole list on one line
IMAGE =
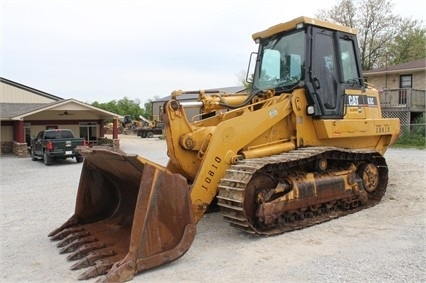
[(402, 89), (25, 111)]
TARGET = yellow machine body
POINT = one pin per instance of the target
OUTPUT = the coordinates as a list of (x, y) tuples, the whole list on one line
[(305, 144)]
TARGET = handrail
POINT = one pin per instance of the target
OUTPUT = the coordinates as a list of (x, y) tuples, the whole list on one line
[(403, 97)]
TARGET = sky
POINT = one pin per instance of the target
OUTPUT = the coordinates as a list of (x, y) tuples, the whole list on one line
[(99, 50)]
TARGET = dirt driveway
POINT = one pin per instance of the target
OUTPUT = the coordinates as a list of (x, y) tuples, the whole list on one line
[(385, 243)]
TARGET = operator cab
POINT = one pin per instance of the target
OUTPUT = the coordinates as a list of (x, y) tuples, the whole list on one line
[(318, 56)]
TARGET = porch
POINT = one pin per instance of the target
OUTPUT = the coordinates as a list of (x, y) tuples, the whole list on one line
[(403, 99)]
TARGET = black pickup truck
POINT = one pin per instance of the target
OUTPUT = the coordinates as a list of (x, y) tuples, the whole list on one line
[(56, 144)]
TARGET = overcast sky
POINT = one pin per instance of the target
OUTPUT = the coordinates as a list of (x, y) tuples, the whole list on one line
[(105, 50)]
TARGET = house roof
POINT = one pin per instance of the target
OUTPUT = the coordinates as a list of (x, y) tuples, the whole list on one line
[(18, 111), (9, 110), (30, 89), (415, 65), (194, 94)]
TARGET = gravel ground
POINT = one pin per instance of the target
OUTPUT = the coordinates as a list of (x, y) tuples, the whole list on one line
[(385, 243)]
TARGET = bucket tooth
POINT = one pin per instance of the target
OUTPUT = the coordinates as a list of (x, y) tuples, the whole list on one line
[(71, 237), (85, 249), (73, 221), (101, 268), (91, 258), (62, 234), (77, 243)]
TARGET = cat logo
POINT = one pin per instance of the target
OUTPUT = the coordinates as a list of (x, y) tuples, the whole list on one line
[(353, 100)]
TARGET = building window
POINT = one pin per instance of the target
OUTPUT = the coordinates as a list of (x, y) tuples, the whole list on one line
[(405, 83), (88, 131)]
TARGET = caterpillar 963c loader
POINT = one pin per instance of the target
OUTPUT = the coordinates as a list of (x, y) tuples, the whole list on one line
[(304, 145)]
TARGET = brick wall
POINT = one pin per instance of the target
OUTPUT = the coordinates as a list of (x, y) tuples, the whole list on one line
[(20, 149), (6, 147)]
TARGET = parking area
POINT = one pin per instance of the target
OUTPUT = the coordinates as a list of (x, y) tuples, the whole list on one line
[(385, 243)]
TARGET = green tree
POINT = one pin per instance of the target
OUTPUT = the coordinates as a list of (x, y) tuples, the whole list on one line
[(130, 107), (409, 44), (378, 30), (124, 106)]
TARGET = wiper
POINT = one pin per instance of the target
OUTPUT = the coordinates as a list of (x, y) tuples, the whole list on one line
[(270, 45), (288, 82), (355, 81), (272, 42), (282, 87)]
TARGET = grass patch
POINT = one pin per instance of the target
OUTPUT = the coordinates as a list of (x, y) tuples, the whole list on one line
[(413, 136)]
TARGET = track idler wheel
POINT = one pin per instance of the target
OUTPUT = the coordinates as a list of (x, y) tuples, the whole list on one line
[(369, 174)]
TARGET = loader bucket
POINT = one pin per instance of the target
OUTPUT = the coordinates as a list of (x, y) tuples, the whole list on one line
[(130, 215)]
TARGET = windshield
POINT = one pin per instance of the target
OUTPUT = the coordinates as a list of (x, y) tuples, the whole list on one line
[(281, 61)]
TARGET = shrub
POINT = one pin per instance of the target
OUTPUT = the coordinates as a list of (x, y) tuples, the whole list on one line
[(413, 135)]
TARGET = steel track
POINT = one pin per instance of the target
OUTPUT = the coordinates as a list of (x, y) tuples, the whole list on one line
[(232, 188)]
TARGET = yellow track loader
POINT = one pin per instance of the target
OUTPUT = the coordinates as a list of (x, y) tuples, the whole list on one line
[(304, 145)]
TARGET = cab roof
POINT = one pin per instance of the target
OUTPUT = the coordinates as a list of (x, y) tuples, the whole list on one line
[(293, 24)]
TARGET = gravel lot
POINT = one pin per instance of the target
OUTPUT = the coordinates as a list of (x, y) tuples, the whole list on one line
[(385, 243)]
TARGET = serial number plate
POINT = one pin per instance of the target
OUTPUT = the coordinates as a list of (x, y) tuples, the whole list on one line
[(68, 152)]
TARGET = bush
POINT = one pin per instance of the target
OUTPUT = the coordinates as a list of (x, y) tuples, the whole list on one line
[(105, 141), (413, 135)]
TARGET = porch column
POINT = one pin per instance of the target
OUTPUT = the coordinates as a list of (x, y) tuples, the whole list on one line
[(18, 131), (19, 146), (115, 129)]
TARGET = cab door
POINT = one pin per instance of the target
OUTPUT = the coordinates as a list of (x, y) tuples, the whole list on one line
[(325, 75), (355, 100), (336, 74)]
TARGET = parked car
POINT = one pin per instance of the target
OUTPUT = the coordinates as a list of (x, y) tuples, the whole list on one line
[(56, 144)]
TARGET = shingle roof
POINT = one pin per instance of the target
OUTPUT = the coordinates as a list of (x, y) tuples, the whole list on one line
[(419, 64), (9, 110), (19, 110)]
